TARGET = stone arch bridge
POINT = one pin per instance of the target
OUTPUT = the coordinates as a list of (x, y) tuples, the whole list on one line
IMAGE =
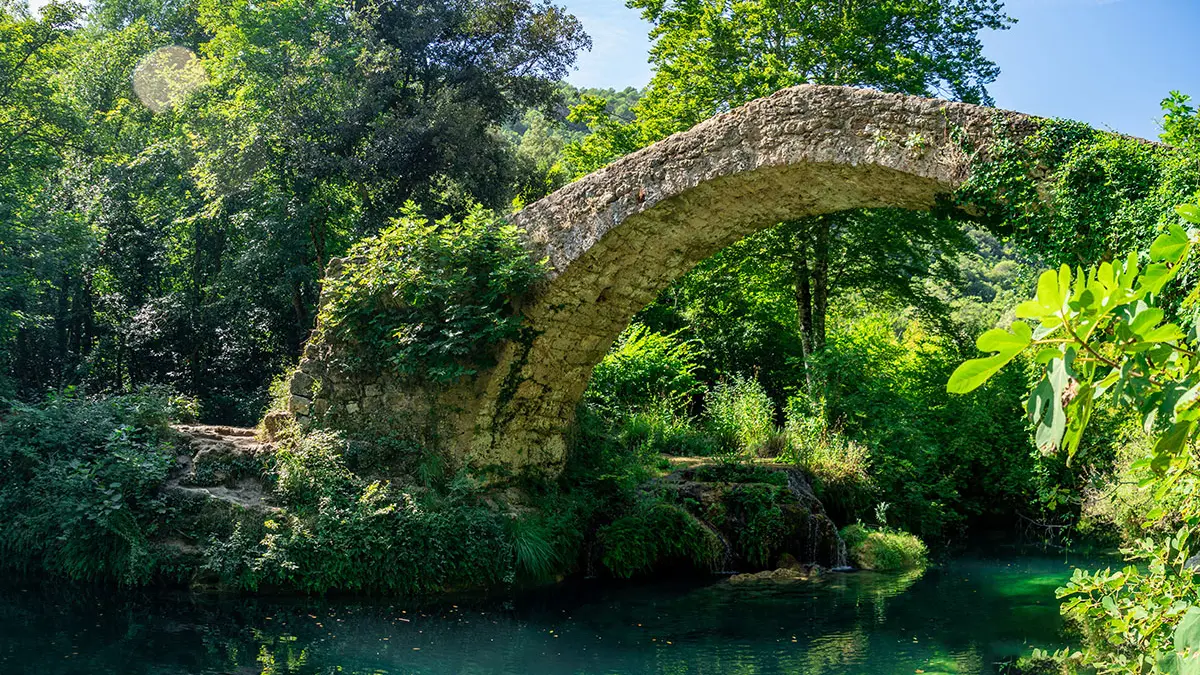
[(619, 236)]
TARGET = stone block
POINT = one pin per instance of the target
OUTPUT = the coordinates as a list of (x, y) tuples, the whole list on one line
[(302, 384), (299, 405)]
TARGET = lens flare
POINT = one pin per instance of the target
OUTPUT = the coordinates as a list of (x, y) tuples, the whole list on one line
[(166, 76)]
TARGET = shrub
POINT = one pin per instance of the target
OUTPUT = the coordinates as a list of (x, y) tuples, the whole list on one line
[(740, 414), (431, 300), (338, 530), (655, 533), (644, 371), (660, 431), (883, 550), (79, 484), (762, 527), (1116, 502), (942, 460)]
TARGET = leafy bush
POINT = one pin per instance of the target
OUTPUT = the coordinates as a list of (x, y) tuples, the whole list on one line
[(942, 460), (341, 531), (740, 414), (644, 371), (656, 533), (1101, 337), (883, 550), (660, 431), (761, 524), (79, 484), (1116, 503), (431, 300)]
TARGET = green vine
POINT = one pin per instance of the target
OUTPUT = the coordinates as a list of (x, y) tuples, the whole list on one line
[(1075, 194)]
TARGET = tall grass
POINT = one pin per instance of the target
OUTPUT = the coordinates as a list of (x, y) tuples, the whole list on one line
[(740, 415)]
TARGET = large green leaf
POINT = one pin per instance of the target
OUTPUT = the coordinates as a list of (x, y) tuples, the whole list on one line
[(1189, 212), (1154, 278), (1047, 406), (1184, 659), (1170, 246), (974, 373)]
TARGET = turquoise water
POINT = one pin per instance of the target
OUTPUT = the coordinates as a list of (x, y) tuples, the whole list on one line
[(961, 618)]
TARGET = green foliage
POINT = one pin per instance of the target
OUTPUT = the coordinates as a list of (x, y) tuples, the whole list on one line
[(941, 460), (533, 545), (1077, 195), (711, 56), (187, 245), (740, 414), (644, 371), (761, 525), (840, 468), (338, 530), (657, 533), (431, 301), (884, 550), (660, 431), (1116, 504), (79, 485), (1101, 339)]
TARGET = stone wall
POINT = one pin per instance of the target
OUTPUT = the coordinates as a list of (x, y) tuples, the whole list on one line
[(618, 237)]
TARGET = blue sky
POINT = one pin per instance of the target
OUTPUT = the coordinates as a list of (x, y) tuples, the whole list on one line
[(1105, 62)]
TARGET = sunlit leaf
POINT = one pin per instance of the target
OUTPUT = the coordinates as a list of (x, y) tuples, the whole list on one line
[(1170, 246), (1048, 295), (974, 373), (1189, 212)]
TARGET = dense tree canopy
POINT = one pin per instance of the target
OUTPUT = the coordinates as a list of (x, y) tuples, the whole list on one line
[(185, 245)]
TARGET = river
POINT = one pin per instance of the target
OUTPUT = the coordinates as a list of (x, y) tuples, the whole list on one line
[(960, 618)]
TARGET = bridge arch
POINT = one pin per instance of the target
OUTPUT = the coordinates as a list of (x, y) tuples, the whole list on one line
[(616, 238)]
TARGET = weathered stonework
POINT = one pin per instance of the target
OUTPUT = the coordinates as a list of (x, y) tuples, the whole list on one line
[(618, 237)]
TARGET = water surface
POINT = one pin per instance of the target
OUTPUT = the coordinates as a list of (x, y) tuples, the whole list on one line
[(961, 618)]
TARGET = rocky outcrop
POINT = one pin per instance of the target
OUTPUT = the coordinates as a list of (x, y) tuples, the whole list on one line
[(767, 517), (217, 485), (618, 237), (221, 463)]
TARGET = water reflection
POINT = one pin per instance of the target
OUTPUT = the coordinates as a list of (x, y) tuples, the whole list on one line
[(959, 619)]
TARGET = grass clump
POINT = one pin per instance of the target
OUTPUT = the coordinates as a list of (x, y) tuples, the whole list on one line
[(740, 415), (655, 534), (840, 469), (884, 549)]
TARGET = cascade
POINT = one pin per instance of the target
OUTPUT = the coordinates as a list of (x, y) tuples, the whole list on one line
[(726, 566), (798, 485)]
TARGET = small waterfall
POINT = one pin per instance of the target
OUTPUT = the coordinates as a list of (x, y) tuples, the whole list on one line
[(841, 562), (798, 485), (726, 566)]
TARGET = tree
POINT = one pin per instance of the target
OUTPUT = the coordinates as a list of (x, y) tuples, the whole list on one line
[(39, 248), (1104, 337), (713, 55)]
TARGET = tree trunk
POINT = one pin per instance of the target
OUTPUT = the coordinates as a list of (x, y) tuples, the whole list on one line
[(820, 234), (810, 277)]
